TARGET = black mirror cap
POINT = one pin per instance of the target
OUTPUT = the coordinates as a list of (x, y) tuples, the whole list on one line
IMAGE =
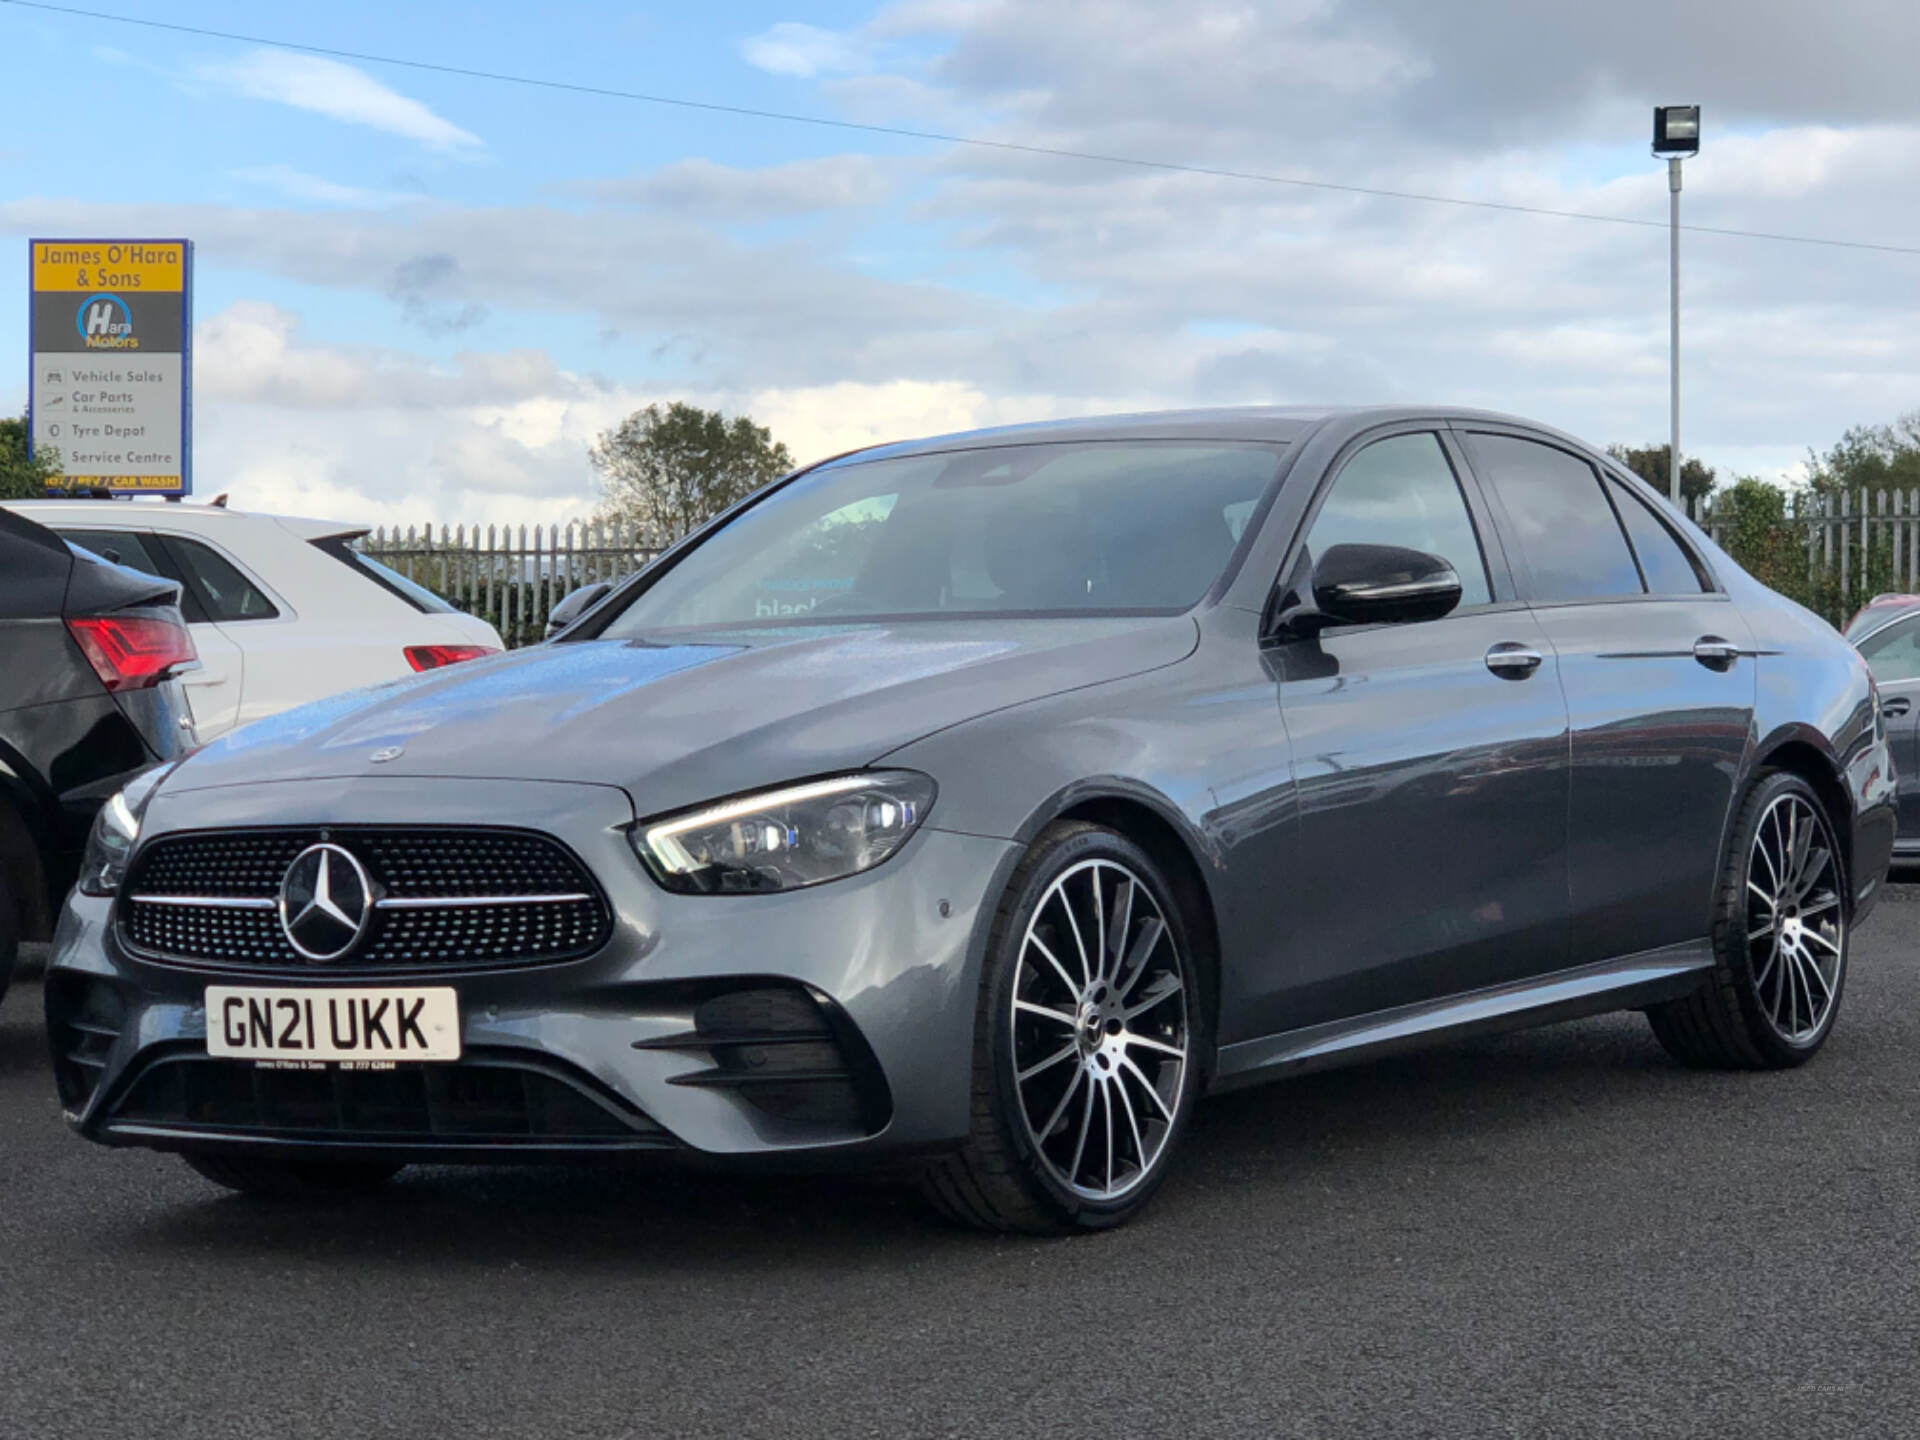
[(1383, 585), (575, 604)]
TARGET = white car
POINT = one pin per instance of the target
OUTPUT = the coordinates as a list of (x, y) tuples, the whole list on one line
[(283, 611)]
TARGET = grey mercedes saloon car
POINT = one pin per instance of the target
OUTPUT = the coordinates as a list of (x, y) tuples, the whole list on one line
[(975, 805)]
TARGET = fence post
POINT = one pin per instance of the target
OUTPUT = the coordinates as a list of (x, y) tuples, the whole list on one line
[(1866, 555), (1846, 536), (1898, 536)]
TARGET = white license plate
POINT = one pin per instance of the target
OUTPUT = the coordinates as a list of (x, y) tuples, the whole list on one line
[(254, 1023)]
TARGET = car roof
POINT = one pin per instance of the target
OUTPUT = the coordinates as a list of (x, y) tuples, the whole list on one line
[(208, 519), (1274, 424), (1878, 613)]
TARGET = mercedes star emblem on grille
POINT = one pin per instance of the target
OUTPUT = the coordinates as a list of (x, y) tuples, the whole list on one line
[(326, 901)]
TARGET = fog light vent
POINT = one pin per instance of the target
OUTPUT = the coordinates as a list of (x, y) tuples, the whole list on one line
[(788, 1053), (85, 1018)]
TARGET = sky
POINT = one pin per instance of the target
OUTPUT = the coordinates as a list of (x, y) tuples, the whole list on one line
[(419, 296)]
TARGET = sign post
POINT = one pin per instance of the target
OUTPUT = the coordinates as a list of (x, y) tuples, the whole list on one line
[(110, 387)]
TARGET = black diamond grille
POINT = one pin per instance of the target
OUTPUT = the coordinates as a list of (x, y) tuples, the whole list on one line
[(415, 864)]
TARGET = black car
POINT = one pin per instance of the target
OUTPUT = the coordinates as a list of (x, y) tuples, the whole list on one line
[(88, 650)]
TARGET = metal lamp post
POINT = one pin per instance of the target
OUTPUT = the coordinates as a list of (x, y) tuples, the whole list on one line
[(1676, 135)]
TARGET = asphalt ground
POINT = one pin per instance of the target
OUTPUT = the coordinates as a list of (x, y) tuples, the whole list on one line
[(1557, 1233)]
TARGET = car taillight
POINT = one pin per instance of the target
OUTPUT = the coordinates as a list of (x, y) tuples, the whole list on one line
[(131, 652), (432, 657)]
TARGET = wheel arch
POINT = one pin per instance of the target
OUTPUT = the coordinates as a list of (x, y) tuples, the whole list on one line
[(1153, 823), (1803, 752), (21, 866)]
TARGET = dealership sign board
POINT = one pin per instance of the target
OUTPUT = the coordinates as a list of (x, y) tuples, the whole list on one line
[(111, 384)]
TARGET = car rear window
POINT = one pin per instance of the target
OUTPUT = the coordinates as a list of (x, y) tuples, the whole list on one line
[(391, 581)]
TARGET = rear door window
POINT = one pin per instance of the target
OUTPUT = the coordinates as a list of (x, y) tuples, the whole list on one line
[(226, 593), (1567, 532)]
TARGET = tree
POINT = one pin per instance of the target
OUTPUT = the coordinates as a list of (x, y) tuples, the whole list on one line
[(1654, 464), (22, 478), (674, 469), (1870, 457)]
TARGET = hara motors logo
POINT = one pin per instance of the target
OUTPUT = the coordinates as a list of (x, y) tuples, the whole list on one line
[(106, 323)]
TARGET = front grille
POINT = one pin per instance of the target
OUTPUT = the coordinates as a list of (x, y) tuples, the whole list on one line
[(477, 1101), (443, 897)]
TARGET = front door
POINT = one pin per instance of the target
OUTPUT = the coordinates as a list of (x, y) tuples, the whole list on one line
[(1430, 765), (1659, 674)]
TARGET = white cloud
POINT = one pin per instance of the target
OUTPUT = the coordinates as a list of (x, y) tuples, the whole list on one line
[(341, 92), (298, 185), (703, 189), (379, 436), (961, 287), (806, 51)]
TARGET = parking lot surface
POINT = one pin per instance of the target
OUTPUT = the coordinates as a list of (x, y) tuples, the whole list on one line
[(1555, 1233)]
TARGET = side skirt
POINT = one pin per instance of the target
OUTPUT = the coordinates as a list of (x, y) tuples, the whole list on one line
[(1623, 984)]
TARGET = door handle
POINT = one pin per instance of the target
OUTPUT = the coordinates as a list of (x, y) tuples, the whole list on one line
[(1893, 709), (1511, 660), (1715, 653)]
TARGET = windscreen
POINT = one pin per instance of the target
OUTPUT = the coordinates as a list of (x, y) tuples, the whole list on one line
[(1095, 528)]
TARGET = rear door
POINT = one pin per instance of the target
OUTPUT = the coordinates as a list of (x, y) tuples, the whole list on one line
[(1659, 676), (1893, 654), (1430, 764), (213, 691)]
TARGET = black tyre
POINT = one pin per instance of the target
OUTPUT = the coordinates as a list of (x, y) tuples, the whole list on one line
[(1781, 924), (9, 933), (294, 1179), (1088, 1045)]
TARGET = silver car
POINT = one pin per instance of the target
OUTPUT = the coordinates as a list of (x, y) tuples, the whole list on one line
[(975, 805)]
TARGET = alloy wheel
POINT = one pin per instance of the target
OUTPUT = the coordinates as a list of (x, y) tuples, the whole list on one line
[(1796, 924), (1100, 1030)]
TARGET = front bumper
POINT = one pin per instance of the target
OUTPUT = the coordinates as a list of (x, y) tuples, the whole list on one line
[(888, 963)]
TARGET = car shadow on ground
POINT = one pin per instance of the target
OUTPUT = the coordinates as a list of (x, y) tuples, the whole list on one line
[(1442, 1107)]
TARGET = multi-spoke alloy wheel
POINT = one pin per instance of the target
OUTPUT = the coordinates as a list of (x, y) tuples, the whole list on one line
[(1099, 1021), (1091, 1037), (1780, 915), (1796, 928)]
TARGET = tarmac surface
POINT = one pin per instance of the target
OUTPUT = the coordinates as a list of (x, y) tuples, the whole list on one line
[(1556, 1233)]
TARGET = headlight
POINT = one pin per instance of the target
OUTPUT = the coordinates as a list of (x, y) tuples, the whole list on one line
[(115, 829), (784, 839)]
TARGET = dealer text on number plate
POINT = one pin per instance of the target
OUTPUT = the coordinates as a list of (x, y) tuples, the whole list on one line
[(257, 1023)]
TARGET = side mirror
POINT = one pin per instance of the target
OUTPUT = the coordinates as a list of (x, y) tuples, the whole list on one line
[(575, 604), (1382, 585)]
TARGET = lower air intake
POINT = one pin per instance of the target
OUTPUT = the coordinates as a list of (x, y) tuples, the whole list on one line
[(790, 1055), (475, 1102)]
